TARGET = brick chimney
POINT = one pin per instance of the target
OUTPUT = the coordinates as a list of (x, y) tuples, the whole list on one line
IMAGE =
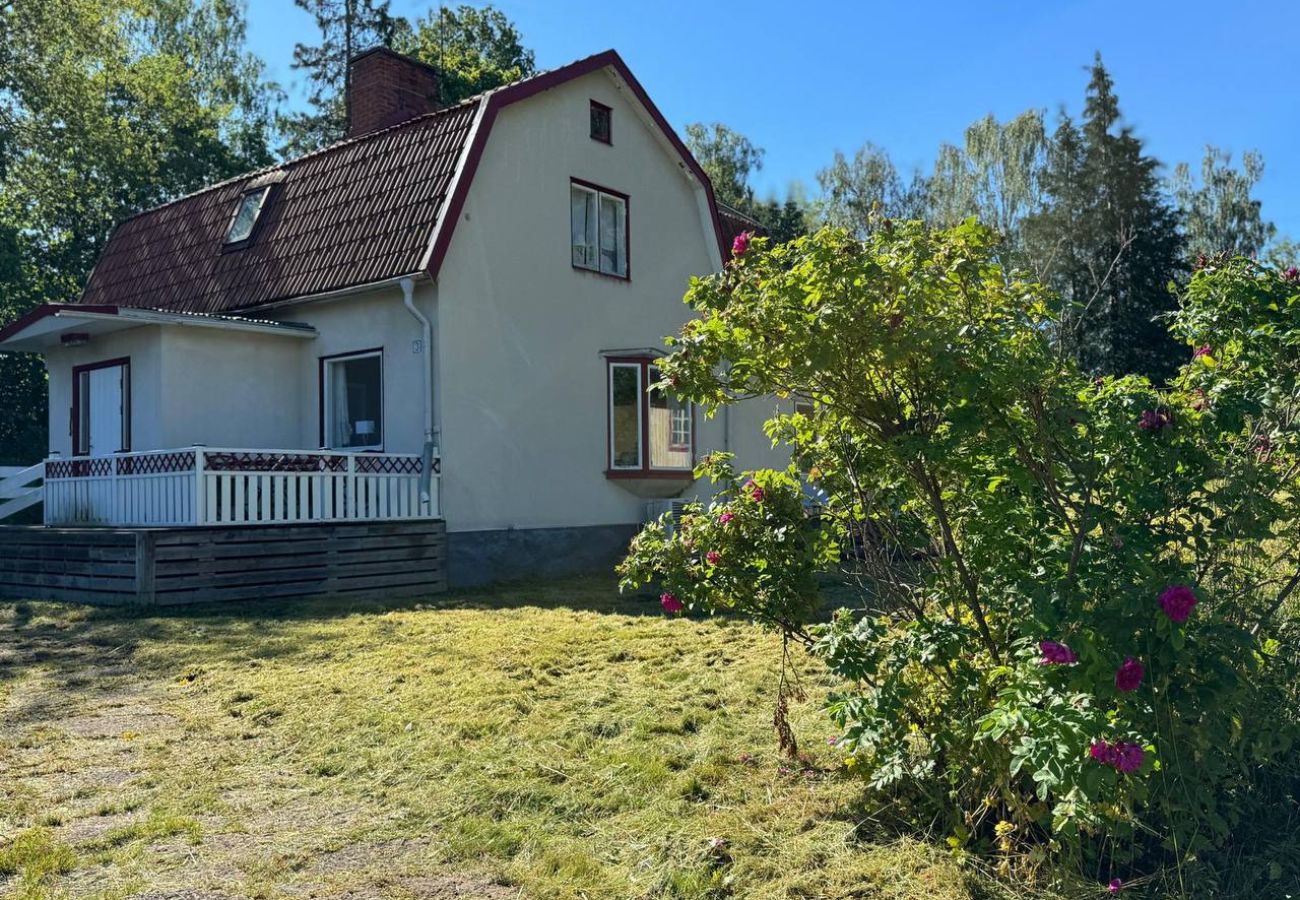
[(388, 88)]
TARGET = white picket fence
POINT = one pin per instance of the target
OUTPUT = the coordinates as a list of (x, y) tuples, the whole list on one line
[(206, 486)]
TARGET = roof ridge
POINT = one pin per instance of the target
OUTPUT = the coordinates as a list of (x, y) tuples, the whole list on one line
[(310, 154), (349, 141)]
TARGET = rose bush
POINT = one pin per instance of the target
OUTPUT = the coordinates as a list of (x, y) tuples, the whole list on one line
[(1073, 589)]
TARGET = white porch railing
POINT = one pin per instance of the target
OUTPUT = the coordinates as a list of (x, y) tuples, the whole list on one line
[(206, 486)]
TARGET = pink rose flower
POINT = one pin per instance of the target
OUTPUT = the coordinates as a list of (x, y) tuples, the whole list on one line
[(1203, 350), (1056, 654), (1121, 755), (1115, 886), (713, 557), (740, 244), (1291, 274), (726, 517), (670, 603), (1128, 757), (1177, 601), (1102, 752), (1129, 675)]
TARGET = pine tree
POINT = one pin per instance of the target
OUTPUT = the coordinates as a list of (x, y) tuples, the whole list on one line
[(1108, 242), (346, 27)]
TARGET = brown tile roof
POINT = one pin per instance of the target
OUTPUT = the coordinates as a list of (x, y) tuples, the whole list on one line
[(356, 212)]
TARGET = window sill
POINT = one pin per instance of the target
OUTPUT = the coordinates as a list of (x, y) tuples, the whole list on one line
[(584, 270)]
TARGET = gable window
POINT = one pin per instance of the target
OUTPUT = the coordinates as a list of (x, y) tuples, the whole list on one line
[(650, 431), (352, 401), (246, 213), (598, 228), (601, 123)]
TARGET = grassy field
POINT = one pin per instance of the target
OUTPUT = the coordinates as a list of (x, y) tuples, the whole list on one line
[(540, 741)]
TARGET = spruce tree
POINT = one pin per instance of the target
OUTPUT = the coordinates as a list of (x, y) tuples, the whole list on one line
[(1109, 242), (346, 28)]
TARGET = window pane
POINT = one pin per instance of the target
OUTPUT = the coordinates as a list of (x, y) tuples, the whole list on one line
[(356, 403), (613, 239), (246, 216), (625, 416), (600, 116), (670, 429), (582, 221)]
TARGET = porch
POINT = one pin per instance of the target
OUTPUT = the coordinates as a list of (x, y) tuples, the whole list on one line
[(203, 486), (207, 524)]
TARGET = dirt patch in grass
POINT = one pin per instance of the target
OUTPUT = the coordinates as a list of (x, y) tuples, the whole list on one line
[(546, 741)]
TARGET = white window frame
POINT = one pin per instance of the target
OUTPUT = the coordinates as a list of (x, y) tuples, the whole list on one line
[(328, 365), (640, 416), (261, 194), (600, 195), (684, 416)]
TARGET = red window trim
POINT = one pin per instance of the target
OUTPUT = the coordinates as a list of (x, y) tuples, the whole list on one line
[(608, 140), (627, 229), (125, 363), (320, 396), (646, 470)]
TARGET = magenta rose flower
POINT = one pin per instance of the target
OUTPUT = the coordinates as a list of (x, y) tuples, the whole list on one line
[(1177, 601), (1102, 752), (1128, 757), (1203, 350), (726, 517), (1115, 886), (1129, 675), (740, 244), (670, 603), (1291, 274), (1056, 654), (713, 557), (1121, 755)]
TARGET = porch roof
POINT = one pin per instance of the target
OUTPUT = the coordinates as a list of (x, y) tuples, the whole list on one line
[(56, 324)]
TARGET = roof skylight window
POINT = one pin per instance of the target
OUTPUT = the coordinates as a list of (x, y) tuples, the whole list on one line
[(250, 207)]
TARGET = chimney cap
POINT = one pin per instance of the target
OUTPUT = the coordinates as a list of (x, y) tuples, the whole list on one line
[(388, 51)]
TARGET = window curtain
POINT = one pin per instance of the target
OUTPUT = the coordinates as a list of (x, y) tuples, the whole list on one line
[(583, 227), (340, 435), (612, 239)]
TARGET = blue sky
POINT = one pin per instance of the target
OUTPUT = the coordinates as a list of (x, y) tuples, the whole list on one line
[(804, 79)]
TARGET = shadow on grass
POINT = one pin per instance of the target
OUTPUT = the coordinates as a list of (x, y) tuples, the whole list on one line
[(72, 640)]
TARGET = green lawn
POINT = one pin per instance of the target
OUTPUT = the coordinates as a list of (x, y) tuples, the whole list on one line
[(538, 741)]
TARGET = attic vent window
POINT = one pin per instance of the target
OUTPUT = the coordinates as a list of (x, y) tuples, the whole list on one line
[(600, 123), (250, 207)]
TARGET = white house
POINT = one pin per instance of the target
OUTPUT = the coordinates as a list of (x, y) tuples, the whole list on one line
[(450, 315)]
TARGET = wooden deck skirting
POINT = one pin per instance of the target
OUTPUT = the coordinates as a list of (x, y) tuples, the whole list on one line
[(176, 566)]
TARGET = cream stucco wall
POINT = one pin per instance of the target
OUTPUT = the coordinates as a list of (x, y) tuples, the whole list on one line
[(523, 402), (372, 320), (144, 348)]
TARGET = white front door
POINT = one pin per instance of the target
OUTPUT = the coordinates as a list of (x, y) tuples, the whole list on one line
[(105, 410)]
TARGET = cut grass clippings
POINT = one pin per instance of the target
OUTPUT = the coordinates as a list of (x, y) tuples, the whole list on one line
[(544, 741)]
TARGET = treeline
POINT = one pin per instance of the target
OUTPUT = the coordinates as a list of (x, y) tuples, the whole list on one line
[(108, 107), (1081, 207)]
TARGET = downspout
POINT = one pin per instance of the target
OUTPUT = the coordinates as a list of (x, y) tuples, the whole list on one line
[(426, 458)]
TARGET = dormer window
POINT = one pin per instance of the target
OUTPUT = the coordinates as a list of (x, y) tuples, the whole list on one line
[(250, 207), (601, 126)]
